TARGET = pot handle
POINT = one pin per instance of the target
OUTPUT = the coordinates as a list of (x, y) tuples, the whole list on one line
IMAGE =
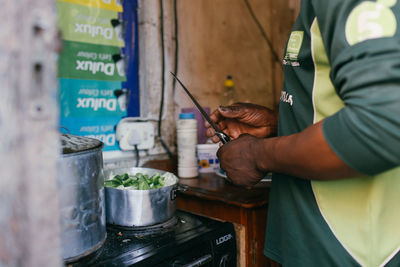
[(182, 187), (178, 187)]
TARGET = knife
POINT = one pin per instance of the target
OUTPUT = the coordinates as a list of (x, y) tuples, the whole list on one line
[(221, 135)]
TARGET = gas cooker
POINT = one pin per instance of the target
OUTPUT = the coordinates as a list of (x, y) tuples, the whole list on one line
[(184, 240)]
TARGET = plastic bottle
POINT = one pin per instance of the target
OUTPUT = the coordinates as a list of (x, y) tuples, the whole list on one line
[(187, 142), (228, 96)]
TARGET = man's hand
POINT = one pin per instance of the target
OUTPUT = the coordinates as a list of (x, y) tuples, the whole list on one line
[(305, 155), (238, 159), (241, 118)]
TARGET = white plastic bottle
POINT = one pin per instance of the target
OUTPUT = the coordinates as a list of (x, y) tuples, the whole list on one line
[(187, 142)]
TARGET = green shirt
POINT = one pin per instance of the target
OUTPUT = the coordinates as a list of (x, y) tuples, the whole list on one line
[(342, 65)]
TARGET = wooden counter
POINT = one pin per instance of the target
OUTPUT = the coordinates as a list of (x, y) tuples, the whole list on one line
[(212, 196)]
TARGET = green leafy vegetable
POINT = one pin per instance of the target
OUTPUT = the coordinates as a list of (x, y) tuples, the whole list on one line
[(112, 183), (139, 181)]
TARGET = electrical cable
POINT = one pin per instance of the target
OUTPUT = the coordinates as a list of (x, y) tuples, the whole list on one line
[(162, 80), (265, 36), (137, 155)]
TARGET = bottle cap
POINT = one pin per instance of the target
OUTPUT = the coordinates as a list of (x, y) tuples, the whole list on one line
[(228, 82), (186, 116)]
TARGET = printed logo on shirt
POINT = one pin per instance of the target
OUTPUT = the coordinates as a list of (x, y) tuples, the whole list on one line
[(293, 48), (371, 20), (286, 98)]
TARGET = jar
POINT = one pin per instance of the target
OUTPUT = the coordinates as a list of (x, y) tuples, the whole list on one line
[(207, 157)]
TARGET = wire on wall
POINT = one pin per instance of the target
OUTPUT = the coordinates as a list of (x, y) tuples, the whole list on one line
[(162, 80), (263, 33), (137, 156)]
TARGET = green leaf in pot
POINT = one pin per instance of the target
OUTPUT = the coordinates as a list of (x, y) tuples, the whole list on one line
[(143, 185), (140, 175), (118, 178), (161, 182), (157, 181), (139, 181), (128, 182), (125, 177), (112, 183), (155, 177)]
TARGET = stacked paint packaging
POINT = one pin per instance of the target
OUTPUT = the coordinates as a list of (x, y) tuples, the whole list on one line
[(93, 67)]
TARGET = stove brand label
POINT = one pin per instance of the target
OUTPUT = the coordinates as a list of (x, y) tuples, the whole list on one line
[(223, 239)]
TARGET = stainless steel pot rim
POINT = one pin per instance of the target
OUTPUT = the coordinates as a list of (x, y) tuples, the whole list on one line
[(74, 154), (73, 144), (137, 190), (110, 173), (133, 170)]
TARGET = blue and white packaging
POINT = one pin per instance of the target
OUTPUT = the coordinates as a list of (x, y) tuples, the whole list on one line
[(207, 157)]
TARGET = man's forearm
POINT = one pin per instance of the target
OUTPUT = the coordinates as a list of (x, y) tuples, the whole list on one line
[(306, 155)]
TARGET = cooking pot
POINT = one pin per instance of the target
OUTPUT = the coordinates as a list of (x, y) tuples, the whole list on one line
[(133, 208), (81, 196)]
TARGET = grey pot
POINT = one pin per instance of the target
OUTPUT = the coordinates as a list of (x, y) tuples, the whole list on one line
[(134, 208)]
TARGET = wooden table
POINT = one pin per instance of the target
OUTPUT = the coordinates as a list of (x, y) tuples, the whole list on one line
[(212, 196)]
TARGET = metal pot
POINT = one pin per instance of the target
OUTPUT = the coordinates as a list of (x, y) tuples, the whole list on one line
[(126, 207), (81, 196)]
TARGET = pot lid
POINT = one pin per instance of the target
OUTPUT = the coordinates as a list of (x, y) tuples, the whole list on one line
[(73, 143)]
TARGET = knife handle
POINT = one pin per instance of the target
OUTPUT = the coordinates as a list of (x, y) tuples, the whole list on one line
[(223, 137)]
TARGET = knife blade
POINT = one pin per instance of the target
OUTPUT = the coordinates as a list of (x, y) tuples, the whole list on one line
[(221, 135)]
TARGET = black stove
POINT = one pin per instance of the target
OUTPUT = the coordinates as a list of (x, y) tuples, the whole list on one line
[(185, 240)]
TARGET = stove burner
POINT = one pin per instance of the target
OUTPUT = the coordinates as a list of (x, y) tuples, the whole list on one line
[(184, 240), (139, 231)]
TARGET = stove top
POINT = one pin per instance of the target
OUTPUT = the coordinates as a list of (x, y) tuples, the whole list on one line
[(184, 240), (139, 231)]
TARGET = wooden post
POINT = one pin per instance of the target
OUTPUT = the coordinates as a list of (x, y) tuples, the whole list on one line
[(29, 142)]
